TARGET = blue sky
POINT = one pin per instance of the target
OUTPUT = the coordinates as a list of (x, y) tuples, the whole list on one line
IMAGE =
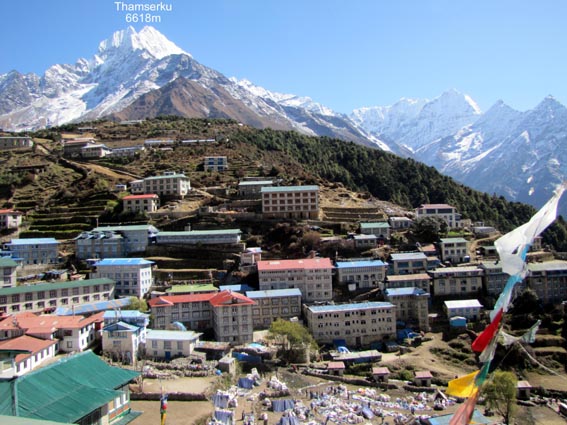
[(343, 54)]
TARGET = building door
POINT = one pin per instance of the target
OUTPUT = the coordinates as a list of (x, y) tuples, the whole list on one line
[(168, 355)]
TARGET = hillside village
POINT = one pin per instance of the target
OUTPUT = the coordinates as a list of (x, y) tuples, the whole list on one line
[(172, 244)]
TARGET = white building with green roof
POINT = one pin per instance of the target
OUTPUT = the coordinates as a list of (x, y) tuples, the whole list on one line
[(48, 296), (77, 389), (8, 272), (380, 229), (194, 237)]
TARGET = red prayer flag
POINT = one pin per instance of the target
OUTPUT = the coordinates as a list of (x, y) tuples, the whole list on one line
[(464, 413), (482, 341)]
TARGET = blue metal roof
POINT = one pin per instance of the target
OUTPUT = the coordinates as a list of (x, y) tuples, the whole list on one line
[(123, 262), (121, 326), (349, 307), (126, 314), (408, 256), (236, 288), (33, 241), (172, 335), (92, 307), (291, 292), (396, 292), (362, 263)]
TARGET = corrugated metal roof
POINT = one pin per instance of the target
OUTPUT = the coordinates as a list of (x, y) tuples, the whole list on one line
[(202, 232), (123, 262), (375, 225), (255, 183), (548, 265), (307, 263), (463, 304), (33, 241), (7, 262), (273, 293), (67, 390), (453, 240), (404, 256), (361, 263), (54, 286), (92, 307), (398, 292), (348, 307), (171, 335)]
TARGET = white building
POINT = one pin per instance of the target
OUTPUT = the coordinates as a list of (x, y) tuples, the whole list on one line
[(40, 351), (444, 211), (133, 276), (135, 238), (380, 229), (7, 272), (97, 150), (470, 309), (193, 237), (34, 251), (123, 334), (412, 306), (400, 223), (127, 152), (312, 276), (457, 280), (228, 313), (290, 201), (70, 333), (165, 344), (359, 324), (232, 317), (10, 219), (419, 280), (38, 298), (454, 250), (408, 263), (274, 304), (168, 184), (362, 274)]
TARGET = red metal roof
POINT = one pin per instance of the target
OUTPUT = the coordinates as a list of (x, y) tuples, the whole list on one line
[(230, 298), (215, 299), (25, 342), (146, 196), (176, 299), (424, 374), (32, 323), (307, 263)]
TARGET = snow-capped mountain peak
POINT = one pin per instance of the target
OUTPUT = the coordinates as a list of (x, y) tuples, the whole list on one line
[(283, 99), (148, 39)]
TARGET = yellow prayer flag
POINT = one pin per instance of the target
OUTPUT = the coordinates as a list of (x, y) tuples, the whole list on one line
[(464, 386)]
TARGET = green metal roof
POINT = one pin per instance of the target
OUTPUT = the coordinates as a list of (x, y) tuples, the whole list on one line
[(7, 262), (65, 391), (15, 420), (185, 289), (201, 232), (23, 289), (376, 224)]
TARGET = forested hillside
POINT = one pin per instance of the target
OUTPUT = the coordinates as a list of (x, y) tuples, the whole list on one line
[(301, 159)]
